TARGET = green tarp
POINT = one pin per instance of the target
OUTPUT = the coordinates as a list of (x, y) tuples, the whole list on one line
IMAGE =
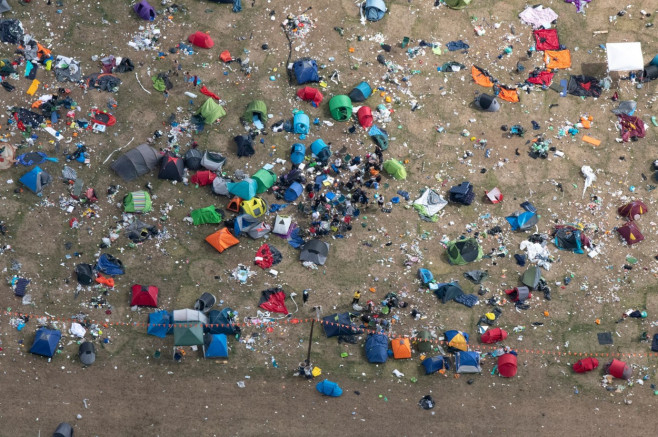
[(207, 215), (340, 107), (395, 169), (158, 83), (257, 107), (211, 111), (264, 180)]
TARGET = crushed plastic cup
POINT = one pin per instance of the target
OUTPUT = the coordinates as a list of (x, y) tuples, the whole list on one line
[(241, 384)]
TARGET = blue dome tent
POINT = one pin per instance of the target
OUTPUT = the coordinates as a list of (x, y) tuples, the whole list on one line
[(36, 179), (301, 123), (45, 342), (297, 153), (374, 9), (214, 346), (434, 364), (377, 348), (320, 150), (293, 192), (160, 324), (467, 362), (306, 70)]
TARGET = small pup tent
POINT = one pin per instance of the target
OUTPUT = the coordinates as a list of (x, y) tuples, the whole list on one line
[(213, 161), (457, 4), (467, 362), (310, 94), (293, 192), (320, 150), (340, 107), (374, 10), (619, 369), (63, 430), (246, 189), (395, 168), (256, 108), (45, 342), (494, 196), (507, 365), (193, 159), (585, 365), (301, 123), (364, 114), (401, 348), (633, 210), (493, 335), (160, 324), (456, 340), (315, 251), (211, 111), (531, 277), (329, 388), (630, 233), (464, 251), (136, 162), (144, 10), (360, 92), (424, 341), (339, 324), (36, 179), (222, 240), (171, 168), (265, 179), (377, 348), (201, 40), (137, 201), (434, 364), (144, 296), (282, 224), (214, 346), (273, 300), (297, 153), (519, 294), (523, 221), (624, 56), (487, 103), (306, 70)]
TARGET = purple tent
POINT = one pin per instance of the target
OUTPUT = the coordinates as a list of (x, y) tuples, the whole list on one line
[(145, 10), (580, 4)]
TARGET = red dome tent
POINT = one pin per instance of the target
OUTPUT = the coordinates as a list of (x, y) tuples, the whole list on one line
[(364, 114), (585, 365), (493, 336), (507, 365), (619, 369), (310, 94), (201, 39), (144, 296), (633, 210), (273, 300)]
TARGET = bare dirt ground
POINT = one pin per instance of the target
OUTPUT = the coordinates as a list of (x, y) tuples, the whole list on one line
[(129, 392)]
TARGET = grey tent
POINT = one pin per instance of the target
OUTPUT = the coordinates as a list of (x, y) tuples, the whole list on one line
[(205, 302), (136, 162), (4, 6), (87, 353), (487, 103), (219, 186), (63, 430), (531, 277), (315, 251)]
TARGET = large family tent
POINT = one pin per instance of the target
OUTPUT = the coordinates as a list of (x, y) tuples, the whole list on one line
[(493, 335), (256, 108), (214, 346), (464, 251), (633, 210), (137, 201), (220, 322), (222, 240), (301, 123), (144, 10), (171, 168), (377, 348), (507, 365), (144, 296), (36, 179), (619, 369), (401, 348), (467, 362), (255, 207), (360, 92), (340, 107), (395, 168), (160, 324), (585, 365), (374, 10), (434, 364), (339, 324), (273, 300), (297, 153), (523, 221), (306, 70), (245, 189), (456, 340), (188, 334), (45, 342), (201, 39), (315, 251), (208, 215), (211, 111), (310, 94), (265, 179), (457, 4), (329, 388), (462, 193), (320, 150), (136, 162)]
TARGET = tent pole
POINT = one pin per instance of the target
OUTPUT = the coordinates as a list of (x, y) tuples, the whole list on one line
[(310, 343)]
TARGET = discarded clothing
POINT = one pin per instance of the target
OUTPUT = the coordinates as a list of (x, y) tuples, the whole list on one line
[(457, 45), (469, 300), (476, 276), (538, 17)]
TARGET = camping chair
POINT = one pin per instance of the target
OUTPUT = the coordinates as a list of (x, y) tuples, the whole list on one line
[(234, 204)]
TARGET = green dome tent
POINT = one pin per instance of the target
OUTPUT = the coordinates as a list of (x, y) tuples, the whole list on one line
[(340, 107), (462, 252), (137, 201), (257, 107), (206, 215), (211, 111), (264, 180), (457, 4), (395, 169)]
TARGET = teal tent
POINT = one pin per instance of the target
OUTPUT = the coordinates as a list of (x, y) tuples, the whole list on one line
[(245, 189), (189, 334)]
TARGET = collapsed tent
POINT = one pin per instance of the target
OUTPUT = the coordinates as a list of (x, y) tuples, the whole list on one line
[(202, 40), (7, 156), (435, 364), (11, 31), (482, 77), (340, 107), (456, 340), (137, 201), (429, 203), (585, 365), (253, 227), (35, 180), (401, 348), (267, 256), (379, 136), (584, 86), (522, 221), (571, 238), (315, 251), (208, 215), (448, 292), (377, 348), (546, 39), (221, 322), (339, 324), (103, 81), (273, 300), (360, 92), (633, 210), (630, 233), (464, 251), (67, 69), (493, 335), (214, 346), (329, 388), (395, 168), (146, 296), (632, 127), (160, 324), (310, 94), (84, 273), (222, 240), (136, 162), (45, 342), (557, 59), (507, 365), (144, 10), (244, 145), (467, 362), (109, 265), (211, 111), (171, 168), (306, 70), (619, 369)]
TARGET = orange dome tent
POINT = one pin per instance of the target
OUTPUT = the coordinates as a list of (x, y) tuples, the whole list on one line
[(401, 348), (222, 240)]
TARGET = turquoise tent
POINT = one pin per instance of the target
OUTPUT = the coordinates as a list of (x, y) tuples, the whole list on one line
[(214, 346), (301, 123), (246, 189)]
